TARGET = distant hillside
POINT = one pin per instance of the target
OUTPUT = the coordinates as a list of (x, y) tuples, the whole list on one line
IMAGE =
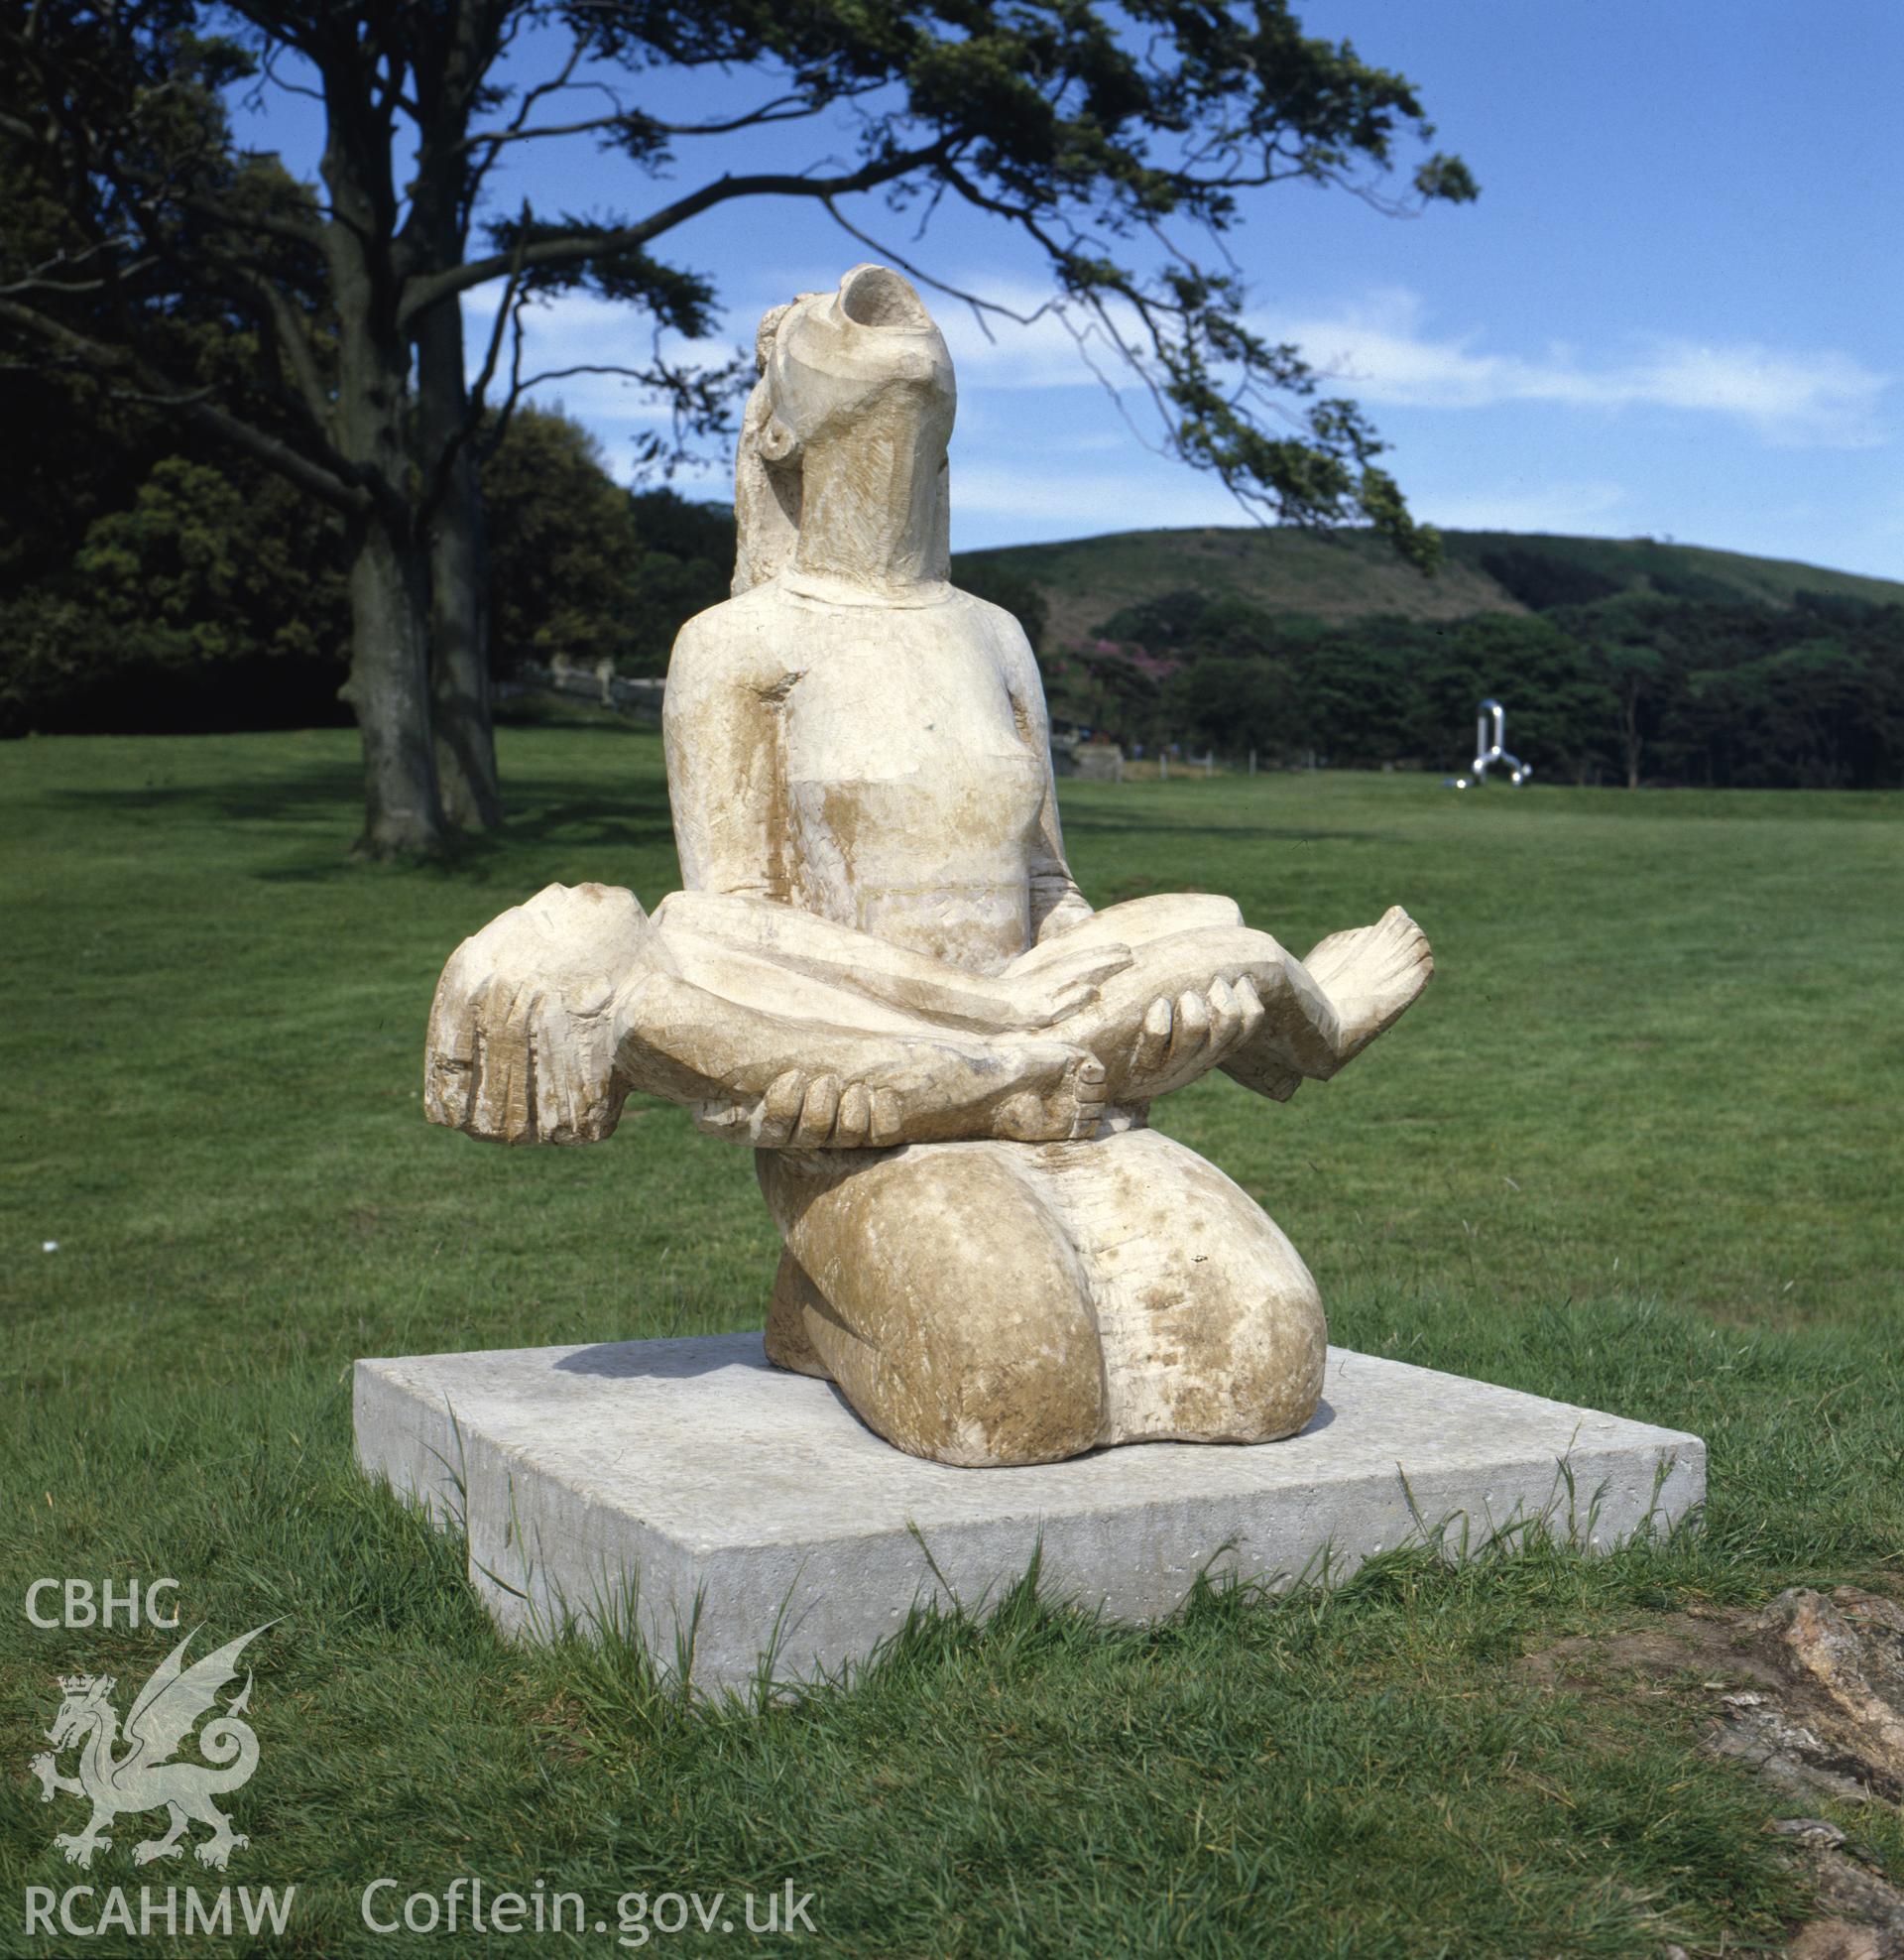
[(1351, 577)]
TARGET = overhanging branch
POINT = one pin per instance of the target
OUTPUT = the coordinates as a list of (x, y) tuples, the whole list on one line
[(579, 249), (127, 373)]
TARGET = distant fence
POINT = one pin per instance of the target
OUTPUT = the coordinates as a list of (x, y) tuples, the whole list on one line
[(637, 696)]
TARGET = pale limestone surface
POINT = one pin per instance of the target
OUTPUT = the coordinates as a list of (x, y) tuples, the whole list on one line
[(881, 977), (635, 1484)]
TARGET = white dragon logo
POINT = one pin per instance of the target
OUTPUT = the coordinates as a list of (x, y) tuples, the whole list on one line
[(143, 1777)]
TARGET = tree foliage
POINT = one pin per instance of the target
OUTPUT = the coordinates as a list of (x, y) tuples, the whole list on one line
[(1634, 689), (200, 594), (1121, 141), (582, 570)]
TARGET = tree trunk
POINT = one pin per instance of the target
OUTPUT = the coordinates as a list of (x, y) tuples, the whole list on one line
[(459, 625), (371, 422), (389, 691)]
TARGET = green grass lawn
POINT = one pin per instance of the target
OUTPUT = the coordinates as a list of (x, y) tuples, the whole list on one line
[(1639, 1147)]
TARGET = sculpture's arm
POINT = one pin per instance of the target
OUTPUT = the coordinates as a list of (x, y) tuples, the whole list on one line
[(763, 1078), (547, 1018), (1056, 903), (720, 731), (707, 929)]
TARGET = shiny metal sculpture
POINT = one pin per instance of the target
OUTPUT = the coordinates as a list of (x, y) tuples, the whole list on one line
[(1488, 750)]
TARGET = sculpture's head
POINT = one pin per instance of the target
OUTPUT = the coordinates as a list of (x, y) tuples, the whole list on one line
[(869, 351), (865, 364)]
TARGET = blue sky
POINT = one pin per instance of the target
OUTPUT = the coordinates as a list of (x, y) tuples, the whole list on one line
[(1676, 310)]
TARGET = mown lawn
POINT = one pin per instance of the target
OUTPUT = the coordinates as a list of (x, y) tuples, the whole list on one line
[(1639, 1147)]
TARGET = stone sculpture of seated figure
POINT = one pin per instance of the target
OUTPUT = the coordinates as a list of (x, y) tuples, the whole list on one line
[(880, 976)]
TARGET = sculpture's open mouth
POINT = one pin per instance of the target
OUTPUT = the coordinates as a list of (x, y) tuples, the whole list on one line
[(878, 296)]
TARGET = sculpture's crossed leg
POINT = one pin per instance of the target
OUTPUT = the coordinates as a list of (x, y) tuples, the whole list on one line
[(1156, 991), (546, 1020)]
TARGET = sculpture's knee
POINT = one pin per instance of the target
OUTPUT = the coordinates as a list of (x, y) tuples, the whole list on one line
[(1008, 1369), (1260, 1339), (1212, 1330), (956, 1317)]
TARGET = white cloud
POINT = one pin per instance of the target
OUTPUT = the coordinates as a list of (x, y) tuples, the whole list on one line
[(1382, 353), (1084, 473)]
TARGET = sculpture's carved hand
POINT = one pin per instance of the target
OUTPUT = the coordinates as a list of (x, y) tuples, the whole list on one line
[(1063, 984), (522, 1031), (1187, 1035)]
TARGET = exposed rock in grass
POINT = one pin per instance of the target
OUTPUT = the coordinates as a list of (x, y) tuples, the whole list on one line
[(1810, 1692), (1863, 1912)]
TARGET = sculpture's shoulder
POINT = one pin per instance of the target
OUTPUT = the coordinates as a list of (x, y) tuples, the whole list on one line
[(738, 642), (1001, 633), (995, 622), (739, 646)]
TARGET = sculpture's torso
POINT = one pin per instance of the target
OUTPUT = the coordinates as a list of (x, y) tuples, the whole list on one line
[(906, 767)]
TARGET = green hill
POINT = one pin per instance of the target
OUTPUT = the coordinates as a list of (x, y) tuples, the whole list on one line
[(1346, 575)]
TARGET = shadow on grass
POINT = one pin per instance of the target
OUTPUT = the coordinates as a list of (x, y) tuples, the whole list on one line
[(541, 809), (315, 790)]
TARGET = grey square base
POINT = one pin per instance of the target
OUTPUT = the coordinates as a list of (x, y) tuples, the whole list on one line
[(626, 1482)]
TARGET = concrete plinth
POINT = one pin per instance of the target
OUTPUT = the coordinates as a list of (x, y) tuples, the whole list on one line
[(623, 1483)]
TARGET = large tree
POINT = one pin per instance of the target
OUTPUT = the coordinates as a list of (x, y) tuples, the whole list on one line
[(1120, 139), (581, 569)]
